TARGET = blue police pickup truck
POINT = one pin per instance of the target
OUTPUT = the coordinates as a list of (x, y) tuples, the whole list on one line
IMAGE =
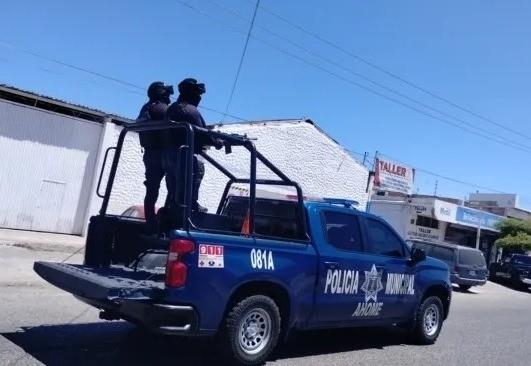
[(257, 268)]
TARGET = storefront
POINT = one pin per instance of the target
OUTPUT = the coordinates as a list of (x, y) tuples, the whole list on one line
[(434, 219)]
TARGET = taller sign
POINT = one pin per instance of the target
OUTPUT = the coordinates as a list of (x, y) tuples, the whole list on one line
[(393, 177)]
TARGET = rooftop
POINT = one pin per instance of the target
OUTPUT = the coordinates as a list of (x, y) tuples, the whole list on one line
[(44, 102)]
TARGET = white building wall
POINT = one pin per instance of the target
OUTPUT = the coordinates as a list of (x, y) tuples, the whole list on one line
[(305, 154), (128, 187), (47, 169)]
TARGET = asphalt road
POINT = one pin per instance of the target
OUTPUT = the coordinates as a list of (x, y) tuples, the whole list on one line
[(490, 325)]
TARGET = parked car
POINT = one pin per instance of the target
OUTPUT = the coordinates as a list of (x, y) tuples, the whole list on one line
[(515, 267), (256, 269), (467, 265), (136, 211)]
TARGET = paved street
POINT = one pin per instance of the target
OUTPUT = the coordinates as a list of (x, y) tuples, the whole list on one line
[(41, 324)]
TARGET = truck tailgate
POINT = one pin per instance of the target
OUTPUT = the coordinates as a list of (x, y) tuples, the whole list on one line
[(108, 283)]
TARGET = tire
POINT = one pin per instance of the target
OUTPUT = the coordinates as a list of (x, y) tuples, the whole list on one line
[(492, 275), (428, 321), (516, 283), (465, 287), (250, 331)]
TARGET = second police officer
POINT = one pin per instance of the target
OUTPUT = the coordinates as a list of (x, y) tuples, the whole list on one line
[(154, 143)]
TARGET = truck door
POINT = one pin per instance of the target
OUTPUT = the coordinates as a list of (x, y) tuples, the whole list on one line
[(348, 276), (382, 243)]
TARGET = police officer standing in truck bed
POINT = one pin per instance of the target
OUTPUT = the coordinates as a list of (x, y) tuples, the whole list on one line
[(153, 143), (185, 110)]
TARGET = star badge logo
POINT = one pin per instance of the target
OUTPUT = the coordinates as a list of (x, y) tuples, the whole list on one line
[(372, 284)]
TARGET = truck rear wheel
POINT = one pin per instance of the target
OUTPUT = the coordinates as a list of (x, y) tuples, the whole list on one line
[(251, 330), (428, 321)]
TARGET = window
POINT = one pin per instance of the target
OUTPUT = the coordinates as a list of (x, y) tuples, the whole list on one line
[(342, 231), (427, 222), (444, 254), (273, 218), (522, 260), (381, 240), (468, 256)]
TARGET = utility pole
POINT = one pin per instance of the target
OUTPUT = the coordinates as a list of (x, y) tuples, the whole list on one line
[(478, 234), (435, 192)]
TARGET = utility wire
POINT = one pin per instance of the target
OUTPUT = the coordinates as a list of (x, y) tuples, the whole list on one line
[(242, 57), (442, 176), (125, 83), (71, 66), (359, 85), (120, 82), (373, 82), (393, 75)]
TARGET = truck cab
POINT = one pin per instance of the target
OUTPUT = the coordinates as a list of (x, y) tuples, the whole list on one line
[(256, 269)]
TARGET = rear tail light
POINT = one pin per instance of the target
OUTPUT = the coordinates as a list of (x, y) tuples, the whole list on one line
[(176, 269)]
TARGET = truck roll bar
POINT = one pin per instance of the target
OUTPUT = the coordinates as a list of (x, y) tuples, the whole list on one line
[(188, 149)]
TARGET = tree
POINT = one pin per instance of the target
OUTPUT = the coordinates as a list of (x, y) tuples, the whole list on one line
[(515, 234)]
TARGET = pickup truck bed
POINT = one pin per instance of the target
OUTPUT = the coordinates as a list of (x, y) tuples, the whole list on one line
[(122, 293), (107, 283)]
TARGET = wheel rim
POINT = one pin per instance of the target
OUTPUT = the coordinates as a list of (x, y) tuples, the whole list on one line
[(431, 320), (254, 331)]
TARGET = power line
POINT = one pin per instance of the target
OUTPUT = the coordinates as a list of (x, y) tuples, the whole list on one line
[(125, 83), (393, 75), (359, 85), (71, 66), (373, 82), (443, 176), (242, 56), (101, 75)]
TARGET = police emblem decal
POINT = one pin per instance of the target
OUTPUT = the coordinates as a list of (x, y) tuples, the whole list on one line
[(372, 284)]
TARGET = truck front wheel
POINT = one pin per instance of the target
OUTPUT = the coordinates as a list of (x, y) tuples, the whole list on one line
[(428, 321), (251, 330)]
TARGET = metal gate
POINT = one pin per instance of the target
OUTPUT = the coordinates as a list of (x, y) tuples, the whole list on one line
[(48, 162)]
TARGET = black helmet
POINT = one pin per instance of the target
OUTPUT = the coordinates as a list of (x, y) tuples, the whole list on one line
[(190, 86), (159, 91)]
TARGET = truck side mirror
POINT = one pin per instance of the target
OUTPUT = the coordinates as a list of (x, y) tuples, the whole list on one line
[(418, 255)]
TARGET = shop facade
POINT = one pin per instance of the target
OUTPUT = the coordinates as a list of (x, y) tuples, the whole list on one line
[(438, 220)]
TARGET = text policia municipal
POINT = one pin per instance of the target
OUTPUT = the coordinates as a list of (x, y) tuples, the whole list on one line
[(344, 281)]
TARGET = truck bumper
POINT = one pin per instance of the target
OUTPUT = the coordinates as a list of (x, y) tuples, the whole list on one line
[(163, 318), (166, 319), (455, 278)]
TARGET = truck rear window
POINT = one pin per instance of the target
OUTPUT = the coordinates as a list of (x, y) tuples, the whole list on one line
[(273, 218), (474, 257)]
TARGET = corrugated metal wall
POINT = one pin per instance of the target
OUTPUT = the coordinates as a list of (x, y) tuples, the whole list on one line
[(47, 169)]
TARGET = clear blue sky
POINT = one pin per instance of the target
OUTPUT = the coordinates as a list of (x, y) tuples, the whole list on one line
[(476, 53)]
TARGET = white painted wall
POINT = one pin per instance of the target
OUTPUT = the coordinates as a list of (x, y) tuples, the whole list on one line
[(47, 168), (128, 188), (298, 148), (303, 152)]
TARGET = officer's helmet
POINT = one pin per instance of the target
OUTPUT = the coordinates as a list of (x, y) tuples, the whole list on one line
[(190, 86), (159, 91)]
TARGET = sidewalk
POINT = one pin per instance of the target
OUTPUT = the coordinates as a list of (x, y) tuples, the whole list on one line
[(19, 249), (34, 240)]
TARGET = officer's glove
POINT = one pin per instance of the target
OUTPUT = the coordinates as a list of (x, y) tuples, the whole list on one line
[(218, 143)]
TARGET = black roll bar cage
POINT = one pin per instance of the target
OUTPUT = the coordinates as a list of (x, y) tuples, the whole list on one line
[(228, 140)]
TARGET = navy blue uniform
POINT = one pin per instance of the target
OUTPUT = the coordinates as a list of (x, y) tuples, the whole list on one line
[(153, 143), (182, 111)]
